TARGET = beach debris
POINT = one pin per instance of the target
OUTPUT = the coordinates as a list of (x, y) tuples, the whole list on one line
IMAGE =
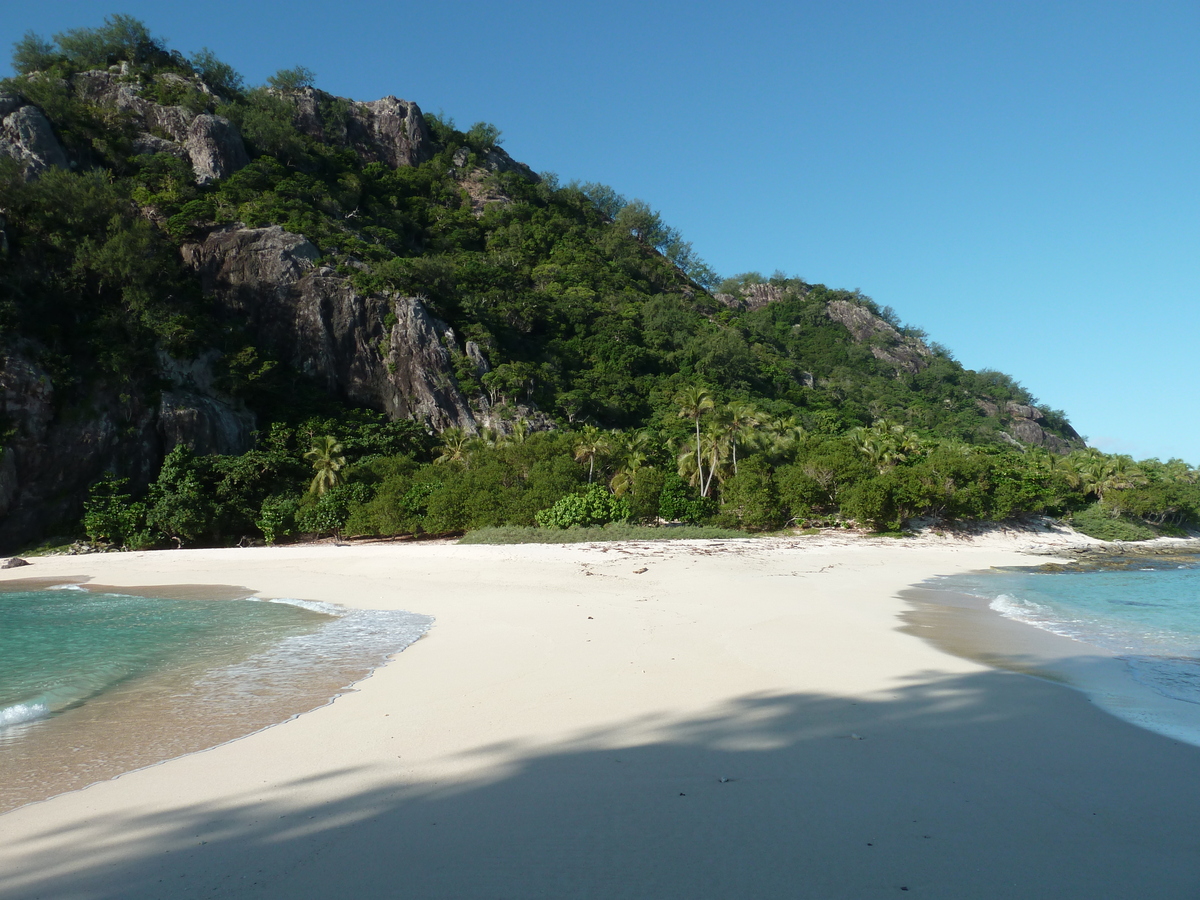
[(15, 563), (640, 571)]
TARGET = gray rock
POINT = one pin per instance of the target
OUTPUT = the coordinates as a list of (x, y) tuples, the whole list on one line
[(321, 325), (907, 354), (215, 147), (51, 455), (15, 562), (988, 408), (26, 136), (1022, 411), (198, 415), (146, 144), (756, 296), (389, 131), (475, 354)]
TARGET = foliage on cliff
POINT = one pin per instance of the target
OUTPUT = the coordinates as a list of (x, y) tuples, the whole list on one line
[(581, 304)]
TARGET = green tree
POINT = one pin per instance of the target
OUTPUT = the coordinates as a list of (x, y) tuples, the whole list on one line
[(693, 402), (327, 462), (288, 81), (590, 444)]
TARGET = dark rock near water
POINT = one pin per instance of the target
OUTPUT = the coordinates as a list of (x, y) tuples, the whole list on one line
[(15, 563)]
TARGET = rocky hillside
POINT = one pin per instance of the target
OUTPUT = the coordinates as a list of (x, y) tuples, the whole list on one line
[(186, 261)]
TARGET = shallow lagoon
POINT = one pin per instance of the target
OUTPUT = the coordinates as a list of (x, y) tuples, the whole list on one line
[(97, 682)]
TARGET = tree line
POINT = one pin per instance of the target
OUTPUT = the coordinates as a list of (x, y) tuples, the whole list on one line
[(725, 463)]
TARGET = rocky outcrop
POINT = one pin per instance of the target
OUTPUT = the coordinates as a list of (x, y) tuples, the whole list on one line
[(26, 136), (215, 148), (193, 412), (751, 297), (906, 354), (478, 360), (390, 131), (210, 143), (51, 456), (1024, 425), (380, 350)]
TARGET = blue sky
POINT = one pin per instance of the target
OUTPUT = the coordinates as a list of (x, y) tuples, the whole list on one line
[(1019, 179)]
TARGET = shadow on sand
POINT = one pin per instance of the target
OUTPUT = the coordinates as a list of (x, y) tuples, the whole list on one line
[(988, 785)]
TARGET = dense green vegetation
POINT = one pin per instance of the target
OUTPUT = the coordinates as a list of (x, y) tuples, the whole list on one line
[(670, 404)]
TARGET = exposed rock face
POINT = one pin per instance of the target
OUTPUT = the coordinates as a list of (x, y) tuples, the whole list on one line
[(26, 136), (475, 354), (215, 148), (751, 297), (390, 131), (756, 296), (194, 413), (210, 143), (907, 354), (379, 350), (1024, 426), (51, 458)]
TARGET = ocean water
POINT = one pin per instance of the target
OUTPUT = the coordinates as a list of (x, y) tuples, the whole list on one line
[(94, 684), (1143, 613)]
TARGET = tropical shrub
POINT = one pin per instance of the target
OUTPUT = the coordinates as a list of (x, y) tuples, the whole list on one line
[(595, 506)]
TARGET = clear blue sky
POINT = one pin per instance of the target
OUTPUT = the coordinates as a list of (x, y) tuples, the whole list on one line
[(1020, 179)]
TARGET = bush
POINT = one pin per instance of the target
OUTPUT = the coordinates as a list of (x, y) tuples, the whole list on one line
[(277, 517), (327, 514), (678, 501), (645, 495), (1097, 522), (112, 517), (749, 499), (595, 506)]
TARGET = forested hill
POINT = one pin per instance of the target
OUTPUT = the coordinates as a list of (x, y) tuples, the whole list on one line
[(202, 283)]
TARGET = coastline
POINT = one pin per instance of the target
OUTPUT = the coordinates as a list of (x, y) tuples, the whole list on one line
[(564, 729)]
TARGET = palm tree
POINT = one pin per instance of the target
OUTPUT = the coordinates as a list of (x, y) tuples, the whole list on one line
[(886, 443), (592, 442), (327, 461), (711, 446), (781, 435), (694, 401), (741, 418), (631, 451), (455, 446)]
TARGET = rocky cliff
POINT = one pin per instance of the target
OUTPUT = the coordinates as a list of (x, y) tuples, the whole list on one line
[(378, 350)]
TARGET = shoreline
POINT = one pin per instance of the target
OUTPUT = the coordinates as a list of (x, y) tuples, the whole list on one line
[(187, 704), (965, 625), (633, 720)]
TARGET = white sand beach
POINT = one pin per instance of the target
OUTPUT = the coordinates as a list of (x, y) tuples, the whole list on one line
[(670, 720)]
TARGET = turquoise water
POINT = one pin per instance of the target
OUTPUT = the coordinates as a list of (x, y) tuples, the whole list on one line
[(62, 648), (93, 684), (1145, 613)]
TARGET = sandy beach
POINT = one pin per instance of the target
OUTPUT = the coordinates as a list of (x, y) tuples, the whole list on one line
[(667, 720)]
